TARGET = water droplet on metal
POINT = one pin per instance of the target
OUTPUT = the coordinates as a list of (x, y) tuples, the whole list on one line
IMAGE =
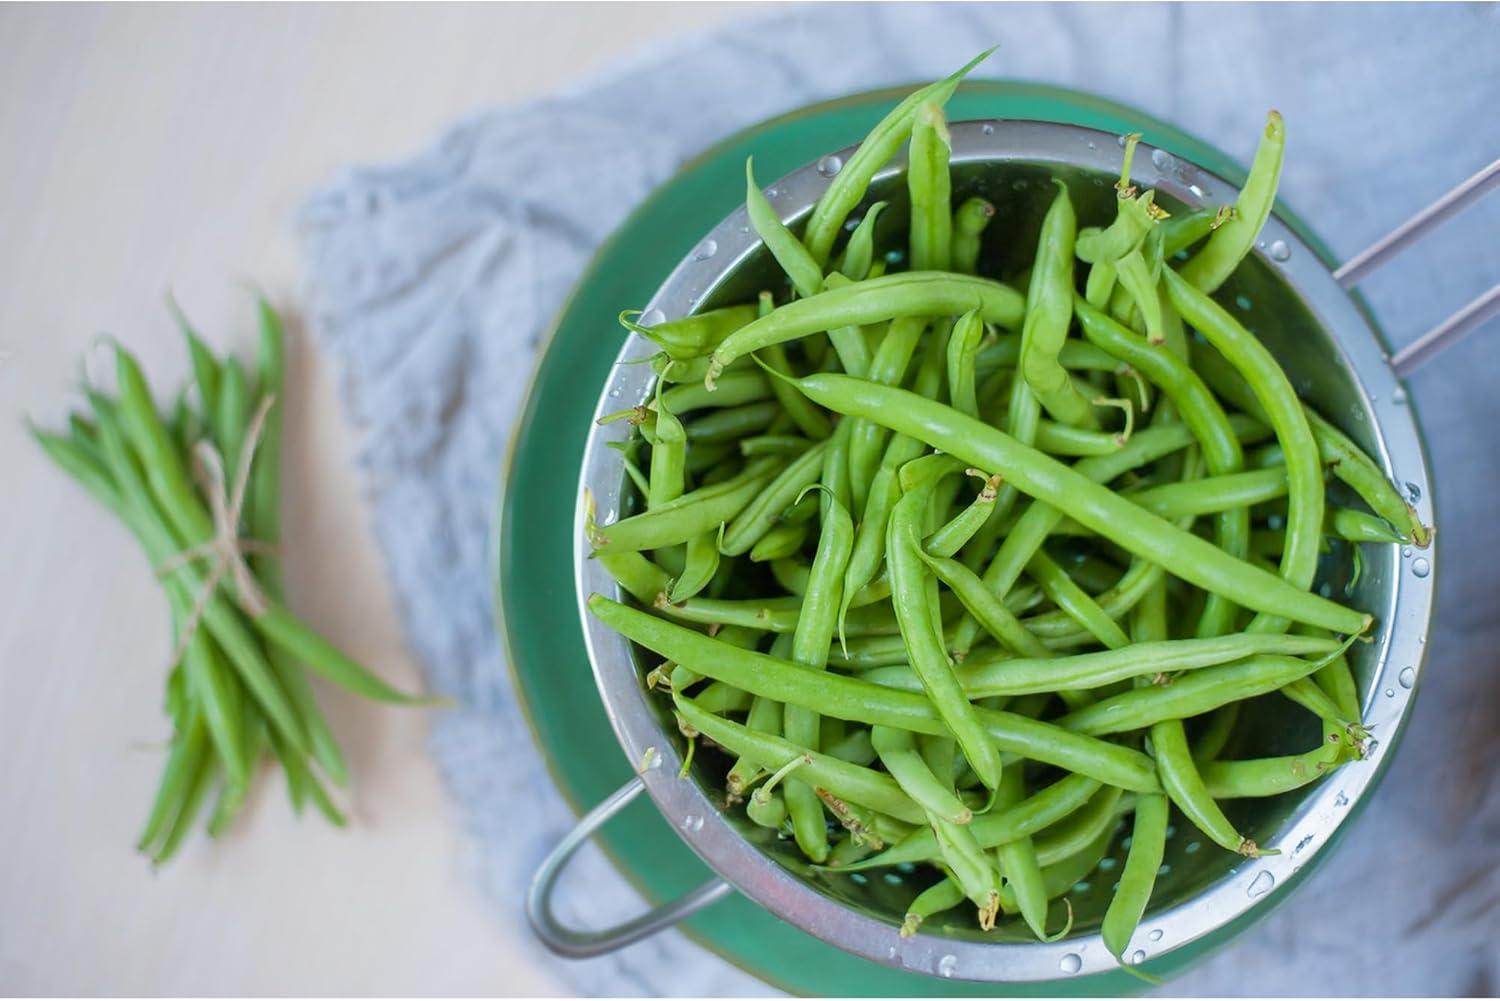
[(1341, 799), (706, 249), (772, 192), (1420, 567), (890, 952), (1120, 140), (1162, 159), (947, 965), (1406, 551), (1261, 884), (614, 393), (1196, 191), (1399, 396), (1092, 144), (1279, 250), (988, 128), (652, 317), (1370, 746), (1390, 693), (1413, 491), (692, 822), (1071, 963), (1303, 844), (1407, 677), (1156, 934), (830, 165), (1138, 957)]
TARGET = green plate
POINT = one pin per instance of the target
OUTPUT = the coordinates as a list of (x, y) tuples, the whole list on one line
[(534, 562)]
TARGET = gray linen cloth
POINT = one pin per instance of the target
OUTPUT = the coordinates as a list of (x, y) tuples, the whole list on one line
[(430, 280)]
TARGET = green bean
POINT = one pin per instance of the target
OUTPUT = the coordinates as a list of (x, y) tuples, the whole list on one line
[(162, 543), (668, 476), (911, 293), (215, 689), (861, 701), (1182, 231), (290, 634), (1190, 695), (765, 716), (1148, 842), (811, 421), (1080, 828), (1005, 350), (768, 811), (816, 620), (855, 748), (784, 540), (1135, 215), (944, 895), (1181, 553), (1211, 428), (1049, 309), (755, 517), (972, 869), (732, 424), (690, 336), (1191, 795), (848, 186), (702, 562), (852, 783), (1232, 241), (1346, 460), (1068, 596), (850, 345), (732, 389), (866, 438), (988, 677), (719, 698), (989, 611), (952, 537), (1357, 526), (963, 344), (1060, 877), (1214, 494), (192, 801), (687, 370), (1274, 391), (930, 189), (1212, 740), (969, 223), (189, 750), (806, 274), (1306, 693), (897, 750), (694, 513), (1262, 777), (854, 262), (912, 594), (1019, 864), (998, 825), (233, 414)]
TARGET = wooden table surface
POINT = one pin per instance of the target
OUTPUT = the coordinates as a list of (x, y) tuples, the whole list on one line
[(147, 147)]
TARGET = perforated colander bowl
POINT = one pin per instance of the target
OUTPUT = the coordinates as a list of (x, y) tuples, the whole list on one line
[(1337, 361)]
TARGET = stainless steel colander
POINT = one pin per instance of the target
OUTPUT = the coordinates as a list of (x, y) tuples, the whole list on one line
[(1331, 349)]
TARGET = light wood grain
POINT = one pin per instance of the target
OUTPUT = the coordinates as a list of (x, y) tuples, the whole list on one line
[(152, 146)]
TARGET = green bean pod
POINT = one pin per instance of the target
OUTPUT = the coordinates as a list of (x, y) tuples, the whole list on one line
[(1235, 238), (969, 223), (930, 189)]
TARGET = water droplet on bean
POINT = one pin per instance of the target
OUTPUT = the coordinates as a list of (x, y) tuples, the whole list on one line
[(1420, 567), (1408, 677), (947, 965), (1071, 963), (1261, 884), (1279, 250), (830, 165)]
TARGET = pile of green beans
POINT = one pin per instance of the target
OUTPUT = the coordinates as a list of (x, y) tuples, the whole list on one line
[(239, 692), (952, 569)]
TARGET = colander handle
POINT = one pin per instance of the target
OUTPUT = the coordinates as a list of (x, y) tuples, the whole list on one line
[(1375, 256), (576, 944)]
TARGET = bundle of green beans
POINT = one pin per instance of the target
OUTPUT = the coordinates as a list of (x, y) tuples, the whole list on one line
[(238, 689), (954, 572)]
